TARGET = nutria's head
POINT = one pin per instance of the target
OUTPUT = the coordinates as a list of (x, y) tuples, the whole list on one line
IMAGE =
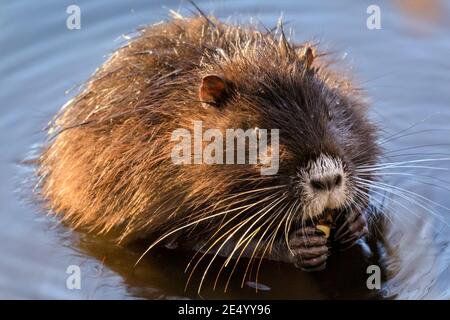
[(324, 133), (110, 165)]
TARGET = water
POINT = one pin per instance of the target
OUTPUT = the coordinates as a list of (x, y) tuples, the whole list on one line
[(404, 68)]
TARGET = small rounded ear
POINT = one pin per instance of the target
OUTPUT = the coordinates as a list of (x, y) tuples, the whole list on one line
[(212, 90), (309, 57)]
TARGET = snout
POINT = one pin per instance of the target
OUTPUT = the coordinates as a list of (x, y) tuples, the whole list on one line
[(326, 185)]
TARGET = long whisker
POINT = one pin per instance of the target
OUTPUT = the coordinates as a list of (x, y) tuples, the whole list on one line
[(412, 200), (269, 244), (287, 227), (404, 162), (247, 242), (417, 147), (256, 221), (225, 224), (395, 201), (241, 241), (255, 249), (340, 233), (398, 135), (406, 191), (214, 207), (407, 175), (223, 244), (256, 254), (278, 212), (398, 166), (181, 228)]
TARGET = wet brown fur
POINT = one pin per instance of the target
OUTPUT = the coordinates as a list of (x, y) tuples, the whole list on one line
[(107, 169)]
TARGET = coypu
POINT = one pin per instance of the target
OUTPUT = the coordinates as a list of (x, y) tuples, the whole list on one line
[(107, 168)]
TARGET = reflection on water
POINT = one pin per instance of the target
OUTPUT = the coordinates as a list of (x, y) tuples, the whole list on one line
[(165, 269), (405, 76)]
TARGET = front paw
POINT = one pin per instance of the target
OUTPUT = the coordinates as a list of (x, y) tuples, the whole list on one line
[(352, 229), (308, 249)]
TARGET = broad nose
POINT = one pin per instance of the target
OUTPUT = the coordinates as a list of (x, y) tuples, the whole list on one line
[(326, 183)]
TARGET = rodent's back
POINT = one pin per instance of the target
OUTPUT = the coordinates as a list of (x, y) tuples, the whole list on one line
[(95, 171), (103, 168)]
